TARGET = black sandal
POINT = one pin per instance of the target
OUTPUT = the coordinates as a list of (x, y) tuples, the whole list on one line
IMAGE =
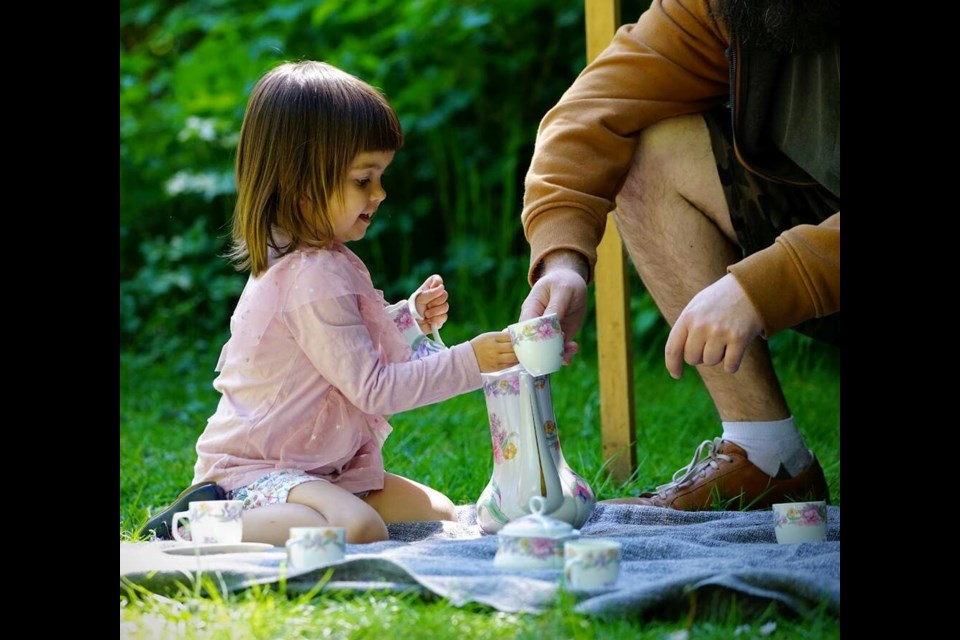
[(161, 524)]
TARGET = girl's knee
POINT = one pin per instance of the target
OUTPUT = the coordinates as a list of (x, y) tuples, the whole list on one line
[(365, 529), (361, 525), (444, 509)]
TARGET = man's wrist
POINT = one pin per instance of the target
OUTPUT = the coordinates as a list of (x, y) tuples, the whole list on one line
[(567, 259)]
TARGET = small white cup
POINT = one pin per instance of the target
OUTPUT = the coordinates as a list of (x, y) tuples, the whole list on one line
[(591, 563), (800, 521), (312, 547), (538, 343), (211, 522)]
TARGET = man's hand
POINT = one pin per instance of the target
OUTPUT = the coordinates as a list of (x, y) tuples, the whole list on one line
[(716, 326), (562, 289)]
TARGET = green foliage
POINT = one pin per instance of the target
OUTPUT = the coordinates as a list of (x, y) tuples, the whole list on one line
[(178, 287), (470, 82)]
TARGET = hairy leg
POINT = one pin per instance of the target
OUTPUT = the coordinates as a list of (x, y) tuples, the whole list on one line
[(403, 500), (314, 504), (674, 221)]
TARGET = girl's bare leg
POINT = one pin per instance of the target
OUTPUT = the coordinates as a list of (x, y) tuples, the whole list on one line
[(314, 504), (403, 500)]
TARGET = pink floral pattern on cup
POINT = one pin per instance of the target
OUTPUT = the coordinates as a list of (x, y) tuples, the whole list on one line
[(321, 538), (311, 547), (596, 559), (591, 563), (544, 328), (538, 343), (210, 522), (803, 514), (796, 522), (220, 511)]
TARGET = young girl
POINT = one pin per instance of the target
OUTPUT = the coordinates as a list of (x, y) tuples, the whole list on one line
[(316, 358)]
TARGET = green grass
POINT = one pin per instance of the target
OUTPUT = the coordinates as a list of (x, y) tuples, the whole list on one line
[(163, 409), (261, 613)]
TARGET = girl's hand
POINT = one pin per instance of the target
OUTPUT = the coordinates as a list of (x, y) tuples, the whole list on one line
[(494, 351), (431, 302)]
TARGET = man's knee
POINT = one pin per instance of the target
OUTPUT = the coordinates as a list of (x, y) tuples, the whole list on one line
[(666, 152), (673, 162)]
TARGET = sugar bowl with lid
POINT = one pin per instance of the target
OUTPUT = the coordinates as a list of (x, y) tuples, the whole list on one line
[(534, 541)]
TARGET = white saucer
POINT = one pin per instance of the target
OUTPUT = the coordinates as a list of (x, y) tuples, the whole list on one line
[(189, 549)]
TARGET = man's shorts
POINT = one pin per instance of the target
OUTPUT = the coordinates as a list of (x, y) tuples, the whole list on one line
[(760, 209)]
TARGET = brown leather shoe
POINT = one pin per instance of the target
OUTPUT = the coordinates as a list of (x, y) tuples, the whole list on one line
[(721, 478)]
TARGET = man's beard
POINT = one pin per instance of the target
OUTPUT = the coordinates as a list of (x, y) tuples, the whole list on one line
[(787, 26)]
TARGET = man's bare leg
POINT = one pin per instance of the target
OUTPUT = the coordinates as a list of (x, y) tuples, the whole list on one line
[(674, 221)]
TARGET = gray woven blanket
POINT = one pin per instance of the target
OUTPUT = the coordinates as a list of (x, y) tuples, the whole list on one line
[(668, 557)]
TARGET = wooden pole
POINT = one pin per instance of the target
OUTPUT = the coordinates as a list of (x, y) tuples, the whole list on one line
[(612, 289)]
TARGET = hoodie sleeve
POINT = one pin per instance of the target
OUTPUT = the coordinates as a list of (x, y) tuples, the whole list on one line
[(670, 63), (797, 277)]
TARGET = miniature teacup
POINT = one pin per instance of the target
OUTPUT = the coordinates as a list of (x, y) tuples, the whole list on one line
[(538, 343), (211, 522), (800, 521), (591, 563), (311, 547)]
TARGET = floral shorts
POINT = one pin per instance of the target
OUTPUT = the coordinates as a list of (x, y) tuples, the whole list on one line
[(273, 488)]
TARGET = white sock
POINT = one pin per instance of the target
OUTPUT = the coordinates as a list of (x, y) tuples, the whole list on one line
[(770, 445)]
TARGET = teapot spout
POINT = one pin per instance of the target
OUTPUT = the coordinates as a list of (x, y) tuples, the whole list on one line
[(551, 488)]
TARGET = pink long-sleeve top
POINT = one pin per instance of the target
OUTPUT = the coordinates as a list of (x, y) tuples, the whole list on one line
[(313, 364)]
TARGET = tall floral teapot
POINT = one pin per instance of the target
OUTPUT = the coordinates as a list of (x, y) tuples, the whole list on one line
[(527, 460)]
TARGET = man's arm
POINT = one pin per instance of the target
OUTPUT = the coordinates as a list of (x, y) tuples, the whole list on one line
[(796, 278), (671, 62)]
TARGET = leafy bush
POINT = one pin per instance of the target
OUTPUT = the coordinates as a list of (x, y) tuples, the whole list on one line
[(470, 82), (180, 285)]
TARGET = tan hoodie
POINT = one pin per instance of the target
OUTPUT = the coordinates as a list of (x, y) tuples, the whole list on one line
[(670, 63)]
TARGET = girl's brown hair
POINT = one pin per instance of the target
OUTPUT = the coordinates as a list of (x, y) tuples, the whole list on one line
[(304, 125)]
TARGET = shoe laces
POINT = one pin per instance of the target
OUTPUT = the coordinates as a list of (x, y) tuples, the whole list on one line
[(706, 457)]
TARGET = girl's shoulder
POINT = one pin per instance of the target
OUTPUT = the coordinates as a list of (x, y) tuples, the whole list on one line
[(315, 274)]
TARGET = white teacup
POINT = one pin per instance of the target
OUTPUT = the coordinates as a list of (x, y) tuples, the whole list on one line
[(800, 521), (311, 547), (211, 522), (538, 343), (591, 563)]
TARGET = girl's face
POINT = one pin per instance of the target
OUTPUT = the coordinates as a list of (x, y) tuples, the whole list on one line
[(362, 195)]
